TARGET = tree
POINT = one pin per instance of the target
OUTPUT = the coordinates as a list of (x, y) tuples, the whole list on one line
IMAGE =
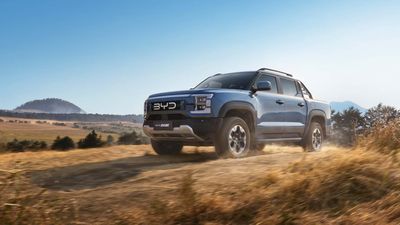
[(380, 115), (92, 140), (347, 125), (65, 143)]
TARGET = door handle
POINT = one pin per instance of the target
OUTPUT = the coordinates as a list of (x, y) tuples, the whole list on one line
[(301, 104), (280, 102)]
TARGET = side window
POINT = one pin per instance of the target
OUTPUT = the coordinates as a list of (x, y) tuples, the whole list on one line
[(305, 91), (289, 87), (272, 79)]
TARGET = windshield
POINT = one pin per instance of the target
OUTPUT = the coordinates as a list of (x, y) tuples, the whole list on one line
[(240, 80)]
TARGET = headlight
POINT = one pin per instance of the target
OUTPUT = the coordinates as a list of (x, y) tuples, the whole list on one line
[(202, 103)]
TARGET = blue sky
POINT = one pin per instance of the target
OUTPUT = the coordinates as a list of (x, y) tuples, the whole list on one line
[(108, 56)]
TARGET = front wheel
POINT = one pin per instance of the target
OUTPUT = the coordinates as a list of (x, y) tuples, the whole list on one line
[(233, 139), (166, 147), (314, 138)]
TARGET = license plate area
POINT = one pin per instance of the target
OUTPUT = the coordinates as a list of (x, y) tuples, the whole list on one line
[(162, 125)]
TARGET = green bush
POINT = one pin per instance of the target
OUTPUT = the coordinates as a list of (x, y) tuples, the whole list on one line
[(92, 140), (21, 146), (65, 143)]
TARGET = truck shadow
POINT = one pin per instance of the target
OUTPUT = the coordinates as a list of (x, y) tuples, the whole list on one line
[(92, 175)]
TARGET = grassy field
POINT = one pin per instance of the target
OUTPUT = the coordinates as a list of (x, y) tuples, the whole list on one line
[(132, 185), (32, 130)]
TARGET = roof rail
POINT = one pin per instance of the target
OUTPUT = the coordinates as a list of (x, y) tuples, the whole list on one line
[(287, 74)]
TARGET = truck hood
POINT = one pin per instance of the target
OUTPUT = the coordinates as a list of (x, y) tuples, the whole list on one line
[(196, 91)]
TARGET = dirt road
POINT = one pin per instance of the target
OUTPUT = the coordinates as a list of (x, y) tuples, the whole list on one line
[(103, 183)]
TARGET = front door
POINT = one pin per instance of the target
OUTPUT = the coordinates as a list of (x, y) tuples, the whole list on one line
[(270, 117)]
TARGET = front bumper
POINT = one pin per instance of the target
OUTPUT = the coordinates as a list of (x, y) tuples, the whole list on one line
[(183, 132), (195, 130)]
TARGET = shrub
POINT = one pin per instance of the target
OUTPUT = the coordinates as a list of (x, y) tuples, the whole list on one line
[(20, 146), (132, 139), (380, 115), (1, 120), (110, 140), (347, 125), (92, 140), (59, 124), (384, 138), (65, 143), (129, 139), (2, 147)]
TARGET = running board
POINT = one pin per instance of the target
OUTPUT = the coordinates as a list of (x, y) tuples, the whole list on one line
[(279, 140)]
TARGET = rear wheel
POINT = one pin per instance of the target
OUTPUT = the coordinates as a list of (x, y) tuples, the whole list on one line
[(233, 139), (166, 147), (314, 139)]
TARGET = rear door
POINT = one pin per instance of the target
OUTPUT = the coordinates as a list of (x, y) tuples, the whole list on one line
[(294, 111)]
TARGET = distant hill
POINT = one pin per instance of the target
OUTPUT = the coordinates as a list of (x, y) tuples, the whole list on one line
[(49, 105), (82, 117), (58, 109), (341, 106)]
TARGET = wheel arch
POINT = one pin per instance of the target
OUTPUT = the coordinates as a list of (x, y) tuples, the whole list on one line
[(316, 116), (243, 110)]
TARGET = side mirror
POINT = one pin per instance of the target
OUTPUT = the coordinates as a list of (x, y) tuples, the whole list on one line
[(263, 86)]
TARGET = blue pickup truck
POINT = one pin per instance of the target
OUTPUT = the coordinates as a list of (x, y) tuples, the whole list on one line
[(237, 113)]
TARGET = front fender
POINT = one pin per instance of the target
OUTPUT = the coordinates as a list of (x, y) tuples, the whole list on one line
[(239, 105)]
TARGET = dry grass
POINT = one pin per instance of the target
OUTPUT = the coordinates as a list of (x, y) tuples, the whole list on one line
[(352, 187), (41, 132), (18, 205), (383, 138), (131, 185)]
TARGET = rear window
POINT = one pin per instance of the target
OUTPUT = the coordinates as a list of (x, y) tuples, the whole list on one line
[(305, 91), (289, 87)]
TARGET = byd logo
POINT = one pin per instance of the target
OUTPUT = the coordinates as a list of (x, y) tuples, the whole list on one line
[(164, 106)]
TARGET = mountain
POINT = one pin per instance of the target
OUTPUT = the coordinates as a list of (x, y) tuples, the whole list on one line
[(341, 106), (49, 105), (82, 117)]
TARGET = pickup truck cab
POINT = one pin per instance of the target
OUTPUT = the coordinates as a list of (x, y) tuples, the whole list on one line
[(237, 113)]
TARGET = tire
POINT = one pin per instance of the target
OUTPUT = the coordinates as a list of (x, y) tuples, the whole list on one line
[(166, 147), (233, 138), (314, 139)]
